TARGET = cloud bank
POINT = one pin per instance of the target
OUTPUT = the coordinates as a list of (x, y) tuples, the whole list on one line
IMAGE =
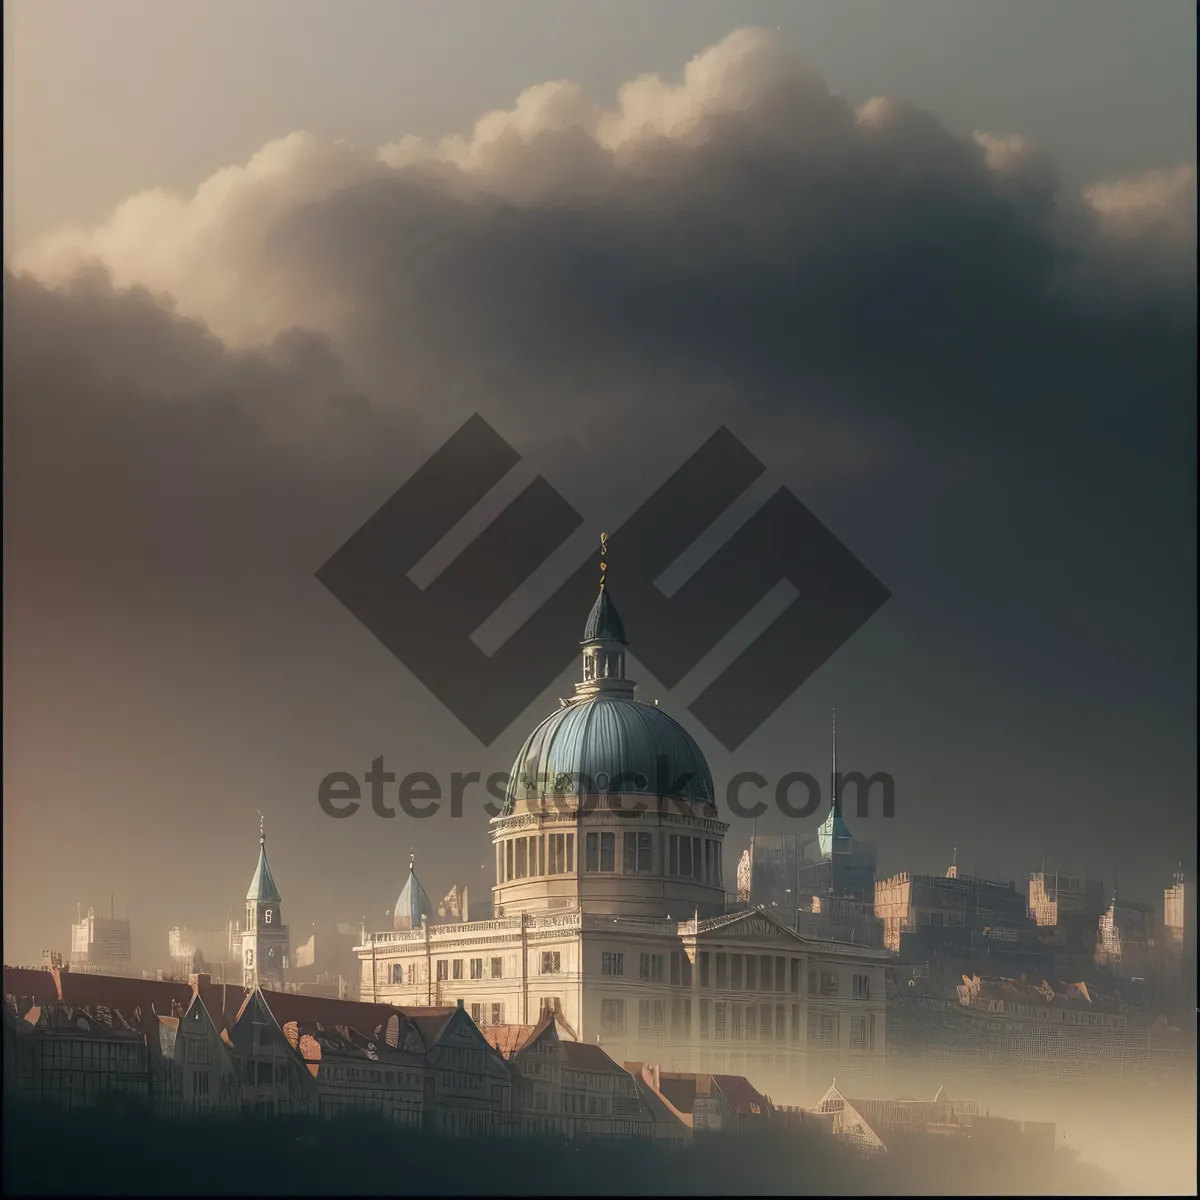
[(946, 353)]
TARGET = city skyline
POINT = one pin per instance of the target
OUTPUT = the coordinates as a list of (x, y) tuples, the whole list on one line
[(960, 331)]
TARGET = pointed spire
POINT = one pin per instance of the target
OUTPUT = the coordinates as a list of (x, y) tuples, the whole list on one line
[(413, 905), (833, 829), (262, 886)]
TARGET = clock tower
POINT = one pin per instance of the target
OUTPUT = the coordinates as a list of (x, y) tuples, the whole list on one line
[(265, 938)]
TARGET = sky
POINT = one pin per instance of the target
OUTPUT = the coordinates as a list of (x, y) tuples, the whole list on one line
[(933, 263)]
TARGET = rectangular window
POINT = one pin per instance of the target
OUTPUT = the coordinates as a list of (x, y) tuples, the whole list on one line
[(858, 1033), (497, 968), (608, 851), (862, 987), (477, 1013), (570, 853), (522, 857), (764, 1022), (736, 1031), (456, 968), (794, 984), (541, 845), (751, 972), (764, 973), (703, 968), (508, 859), (643, 966), (557, 854), (497, 1014), (735, 972), (676, 976), (612, 963), (673, 855), (645, 853), (720, 1022), (722, 971), (780, 1023), (651, 1018), (593, 852), (612, 1016), (477, 968), (443, 969), (681, 1018), (685, 856), (795, 1022), (657, 965), (686, 964), (705, 1017), (751, 1022), (829, 983), (551, 962), (697, 860)]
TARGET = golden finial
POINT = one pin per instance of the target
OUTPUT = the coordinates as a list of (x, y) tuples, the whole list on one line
[(603, 555)]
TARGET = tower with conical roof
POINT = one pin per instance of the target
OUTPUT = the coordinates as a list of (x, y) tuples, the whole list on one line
[(265, 938), (413, 906)]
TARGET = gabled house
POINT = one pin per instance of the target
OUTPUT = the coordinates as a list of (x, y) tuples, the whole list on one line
[(468, 1084), (568, 1087), (356, 1072), (849, 1124), (272, 1076), (707, 1103), (202, 1078)]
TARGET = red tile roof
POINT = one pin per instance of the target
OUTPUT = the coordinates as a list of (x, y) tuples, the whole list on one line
[(508, 1039)]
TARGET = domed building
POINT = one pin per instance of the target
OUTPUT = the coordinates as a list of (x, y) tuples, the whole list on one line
[(610, 909), (610, 803)]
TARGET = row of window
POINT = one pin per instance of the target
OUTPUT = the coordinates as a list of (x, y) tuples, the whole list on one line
[(452, 968), (677, 855), (99, 1055), (725, 972), (483, 1014), (720, 1020)]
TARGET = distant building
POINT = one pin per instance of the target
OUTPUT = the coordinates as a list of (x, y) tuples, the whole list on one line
[(101, 944), (836, 864), (455, 906), (1173, 915), (326, 963), (770, 874), (1126, 938), (923, 913), (192, 951), (1070, 903)]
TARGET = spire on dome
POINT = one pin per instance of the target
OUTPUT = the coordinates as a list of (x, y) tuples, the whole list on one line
[(262, 886), (413, 905)]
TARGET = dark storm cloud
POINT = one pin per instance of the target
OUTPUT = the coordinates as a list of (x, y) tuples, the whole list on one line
[(965, 366)]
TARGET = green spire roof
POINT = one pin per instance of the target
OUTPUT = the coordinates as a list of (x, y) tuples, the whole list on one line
[(262, 886)]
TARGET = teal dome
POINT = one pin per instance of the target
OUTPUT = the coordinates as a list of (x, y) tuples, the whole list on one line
[(610, 743)]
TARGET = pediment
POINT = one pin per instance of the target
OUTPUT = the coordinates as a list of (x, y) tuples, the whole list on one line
[(754, 926)]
